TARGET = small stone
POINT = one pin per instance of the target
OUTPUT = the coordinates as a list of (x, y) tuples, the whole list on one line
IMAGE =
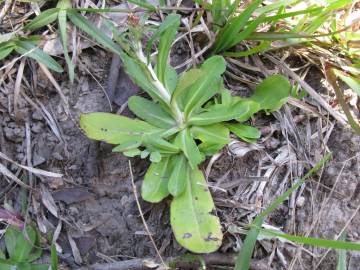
[(300, 201)]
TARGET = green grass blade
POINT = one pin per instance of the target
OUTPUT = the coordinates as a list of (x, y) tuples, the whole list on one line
[(26, 47), (320, 242), (233, 27), (244, 258), (54, 257), (143, 4), (83, 24), (46, 17), (341, 265), (5, 50), (63, 35), (259, 48)]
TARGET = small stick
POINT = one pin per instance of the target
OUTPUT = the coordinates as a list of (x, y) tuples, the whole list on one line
[(142, 217)]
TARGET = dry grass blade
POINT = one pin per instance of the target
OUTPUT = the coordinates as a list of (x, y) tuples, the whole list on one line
[(12, 176), (31, 169), (17, 87)]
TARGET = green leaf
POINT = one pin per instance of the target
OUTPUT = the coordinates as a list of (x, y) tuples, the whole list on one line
[(341, 264), (54, 257), (189, 147), (210, 149), (18, 244), (155, 156), (155, 143), (124, 147), (83, 24), (272, 93), (206, 86), (179, 175), (63, 35), (143, 4), (219, 112), (211, 134), (186, 80), (166, 39), (352, 82), (151, 112), (155, 185), (137, 72), (26, 47), (46, 17), (224, 38), (114, 129), (7, 264), (6, 49), (132, 153), (247, 133), (193, 225), (171, 78)]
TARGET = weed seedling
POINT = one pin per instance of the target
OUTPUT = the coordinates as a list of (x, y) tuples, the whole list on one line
[(187, 118)]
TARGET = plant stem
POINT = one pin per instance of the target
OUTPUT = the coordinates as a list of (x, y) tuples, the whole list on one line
[(165, 94)]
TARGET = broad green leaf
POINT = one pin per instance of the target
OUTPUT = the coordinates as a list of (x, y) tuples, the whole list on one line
[(7, 264), (272, 93), (155, 143), (151, 112), (352, 82), (6, 49), (219, 113), (211, 134), (132, 152), (155, 185), (194, 227), (187, 144), (20, 244), (166, 39), (206, 86), (186, 80), (26, 47), (210, 149), (83, 24), (155, 156), (46, 17), (224, 38), (63, 35), (247, 133), (114, 129), (179, 175)]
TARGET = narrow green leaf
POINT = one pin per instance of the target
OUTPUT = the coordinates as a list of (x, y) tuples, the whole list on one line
[(233, 27), (6, 49), (352, 82), (26, 47), (151, 112), (211, 134), (114, 129), (143, 4), (187, 144), (83, 24), (167, 33), (244, 258), (207, 86), (272, 93), (179, 175), (137, 72), (63, 35), (193, 225), (54, 257), (171, 78), (155, 185), (219, 113), (341, 264), (46, 17)]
